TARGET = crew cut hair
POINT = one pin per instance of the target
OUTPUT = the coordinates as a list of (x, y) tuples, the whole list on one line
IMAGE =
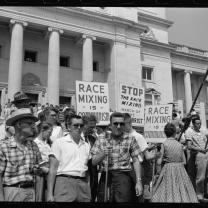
[(116, 114), (69, 119)]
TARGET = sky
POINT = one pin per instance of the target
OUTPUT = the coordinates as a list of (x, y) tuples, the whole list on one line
[(190, 26)]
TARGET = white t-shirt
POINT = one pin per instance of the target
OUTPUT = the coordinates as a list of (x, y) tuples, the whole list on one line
[(72, 157), (44, 148), (56, 133), (2, 131), (141, 142)]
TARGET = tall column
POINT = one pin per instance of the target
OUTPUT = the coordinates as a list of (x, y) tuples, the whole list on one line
[(87, 58), (188, 94), (53, 65), (16, 56)]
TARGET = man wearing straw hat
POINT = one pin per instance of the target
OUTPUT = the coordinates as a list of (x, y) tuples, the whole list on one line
[(18, 158)]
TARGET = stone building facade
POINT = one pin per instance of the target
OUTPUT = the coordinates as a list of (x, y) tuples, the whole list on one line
[(44, 50)]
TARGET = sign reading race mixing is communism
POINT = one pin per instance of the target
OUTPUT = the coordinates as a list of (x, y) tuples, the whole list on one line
[(93, 98), (131, 100), (157, 116)]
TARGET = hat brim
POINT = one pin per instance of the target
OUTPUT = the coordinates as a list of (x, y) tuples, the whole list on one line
[(19, 101), (11, 121)]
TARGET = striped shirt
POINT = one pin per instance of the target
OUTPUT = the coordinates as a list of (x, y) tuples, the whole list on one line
[(198, 138), (122, 150), (16, 162)]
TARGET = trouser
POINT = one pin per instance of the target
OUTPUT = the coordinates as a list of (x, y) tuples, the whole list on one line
[(120, 185), (191, 167), (17, 194), (41, 188), (201, 168), (68, 189), (93, 172)]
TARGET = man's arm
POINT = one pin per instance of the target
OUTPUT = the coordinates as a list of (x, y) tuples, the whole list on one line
[(53, 166), (192, 147), (137, 169), (1, 189), (96, 159)]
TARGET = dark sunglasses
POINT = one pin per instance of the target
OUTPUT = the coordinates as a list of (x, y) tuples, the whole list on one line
[(118, 123), (78, 125)]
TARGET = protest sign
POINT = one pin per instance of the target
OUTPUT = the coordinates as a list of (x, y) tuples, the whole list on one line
[(156, 117), (131, 100), (93, 98)]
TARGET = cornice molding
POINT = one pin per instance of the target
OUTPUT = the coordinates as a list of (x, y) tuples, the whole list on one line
[(156, 43), (104, 17), (154, 19), (184, 54), (184, 67)]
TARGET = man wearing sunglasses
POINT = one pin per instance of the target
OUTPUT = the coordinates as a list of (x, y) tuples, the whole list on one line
[(68, 165), (119, 148)]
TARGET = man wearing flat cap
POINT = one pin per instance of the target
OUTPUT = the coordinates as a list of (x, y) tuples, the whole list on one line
[(18, 158)]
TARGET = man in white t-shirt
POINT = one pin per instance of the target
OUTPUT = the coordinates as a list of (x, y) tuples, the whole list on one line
[(149, 155), (68, 166)]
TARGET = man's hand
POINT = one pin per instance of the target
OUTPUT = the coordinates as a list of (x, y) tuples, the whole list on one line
[(139, 188), (203, 151), (50, 198)]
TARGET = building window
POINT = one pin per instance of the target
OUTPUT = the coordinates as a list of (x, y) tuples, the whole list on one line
[(65, 61), (95, 66), (147, 73), (152, 97), (30, 56)]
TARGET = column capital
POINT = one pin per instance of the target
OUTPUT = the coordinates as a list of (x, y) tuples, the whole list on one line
[(187, 71), (23, 23), (51, 29), (84, 36)]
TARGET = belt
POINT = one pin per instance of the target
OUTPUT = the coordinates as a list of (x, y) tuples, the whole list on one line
[(24, 184), (70, 176)]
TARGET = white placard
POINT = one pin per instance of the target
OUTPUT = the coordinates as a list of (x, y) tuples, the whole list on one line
[(131, 100), (93, 98), (157, 116)]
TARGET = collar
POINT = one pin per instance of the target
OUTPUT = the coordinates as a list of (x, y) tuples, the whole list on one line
[(68, 138), (12, 142)]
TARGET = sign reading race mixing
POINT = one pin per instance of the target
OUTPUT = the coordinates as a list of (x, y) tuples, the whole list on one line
[(93, 98)]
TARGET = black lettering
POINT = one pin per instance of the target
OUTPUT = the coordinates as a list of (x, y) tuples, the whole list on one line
[(94, 90), (102, 89), (81, 98), (123, 89), (150, 111), (88, 89), (81, 88)]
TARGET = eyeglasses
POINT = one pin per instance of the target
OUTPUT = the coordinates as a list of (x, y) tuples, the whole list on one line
[(118, 123), (78, 125)]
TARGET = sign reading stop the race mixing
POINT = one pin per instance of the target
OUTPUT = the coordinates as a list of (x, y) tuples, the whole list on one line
[(131, 100), (156, 117), (93, 98)]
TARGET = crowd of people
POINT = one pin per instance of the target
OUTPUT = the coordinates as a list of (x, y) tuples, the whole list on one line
[(48, 153)]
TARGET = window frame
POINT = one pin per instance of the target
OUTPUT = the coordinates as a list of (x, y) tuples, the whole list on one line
[(32, 51), (68, 60), (152, 73), (97, 65)]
